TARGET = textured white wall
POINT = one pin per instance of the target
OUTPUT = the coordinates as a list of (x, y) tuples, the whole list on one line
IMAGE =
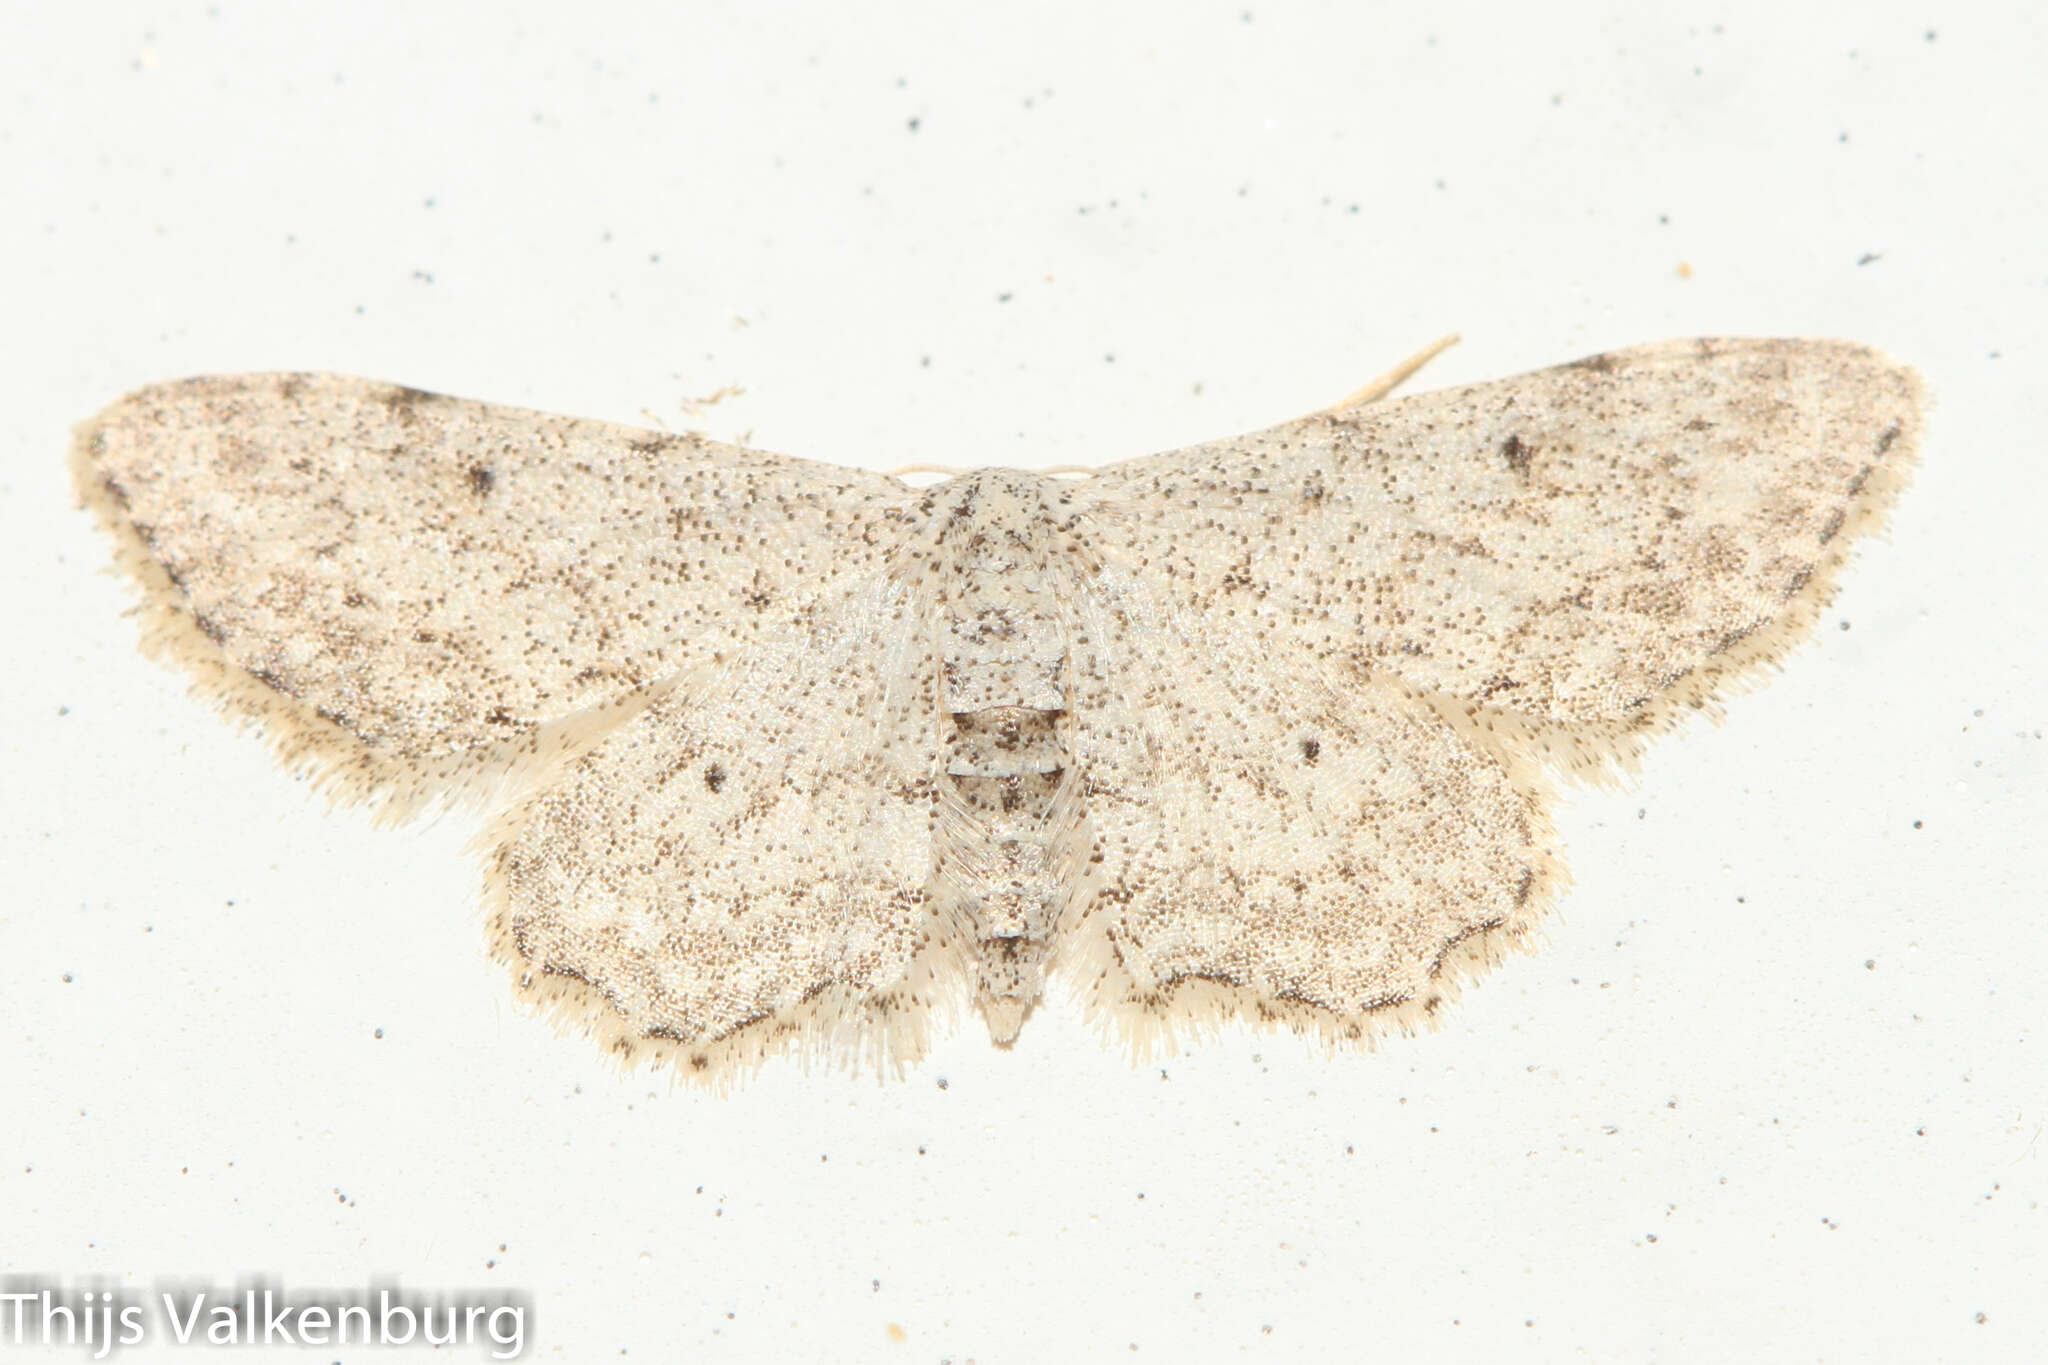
[(1775, 1090)]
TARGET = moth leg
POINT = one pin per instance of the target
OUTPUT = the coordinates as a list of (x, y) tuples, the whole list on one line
[(1394, 378)]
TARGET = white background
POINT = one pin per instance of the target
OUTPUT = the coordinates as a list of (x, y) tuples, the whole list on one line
[(1775, 1090)]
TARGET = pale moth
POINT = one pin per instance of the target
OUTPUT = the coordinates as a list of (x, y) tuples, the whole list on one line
[(789, 756)]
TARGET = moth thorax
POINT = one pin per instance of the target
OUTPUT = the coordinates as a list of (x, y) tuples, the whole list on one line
[(1003, 645), (1001, 639)]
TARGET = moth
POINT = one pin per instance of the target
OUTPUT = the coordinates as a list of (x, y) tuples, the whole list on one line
[(785, 756)]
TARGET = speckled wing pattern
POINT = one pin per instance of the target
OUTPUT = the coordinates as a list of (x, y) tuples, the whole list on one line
[(786, 755), (727, 871), (421, 594), (1281, 840), (1582, 551), (1353, 644)]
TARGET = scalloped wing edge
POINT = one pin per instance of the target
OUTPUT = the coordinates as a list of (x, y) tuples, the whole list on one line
[(1604, 754), (841, 1027), (339, 765)]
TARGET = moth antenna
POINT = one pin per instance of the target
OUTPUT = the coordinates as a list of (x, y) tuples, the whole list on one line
[(1394, 378)]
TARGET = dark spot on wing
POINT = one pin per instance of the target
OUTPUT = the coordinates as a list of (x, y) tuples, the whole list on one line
[(1517, 452), (1890, 436), (1598, 364), (714, 778), (481, 479), (402, 402), (1311, 748), (1497, 684)]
